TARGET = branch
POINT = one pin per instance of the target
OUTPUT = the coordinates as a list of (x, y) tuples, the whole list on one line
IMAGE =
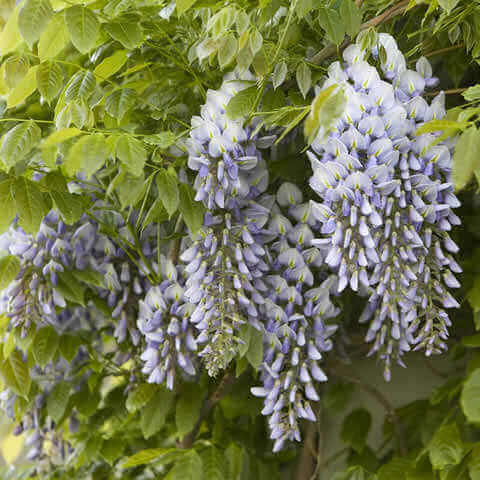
[(331, 49), (222, 389), (453, 91), (306, 464), (443, 50)]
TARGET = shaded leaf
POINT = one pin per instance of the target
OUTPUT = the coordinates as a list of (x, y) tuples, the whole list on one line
[(45, 345), (139, 397), (351, 16), (446, 448), (168, 191), (49, 80), (57, 400), (33, 18), (9, 268), (191, 210), (188, 409), (241, 104), (355, 428), (154, 414), (147, 456), (330, 20), (18, 142), (188, 467), (469, 399)]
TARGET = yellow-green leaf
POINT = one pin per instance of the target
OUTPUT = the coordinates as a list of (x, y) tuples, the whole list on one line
[(24, 89), (18, 142), (54, 38), (87, 155), (33, 18), (465, 158), (132, 154), (60, 136), (83, 27), (10, 38), (9, 268), (184, 5), (111, 65), (129, 34)]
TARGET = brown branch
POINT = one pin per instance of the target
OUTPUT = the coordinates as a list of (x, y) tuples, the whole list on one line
[(453, 91), (332, 49), (222, 389), (306, 464), (443, 50)]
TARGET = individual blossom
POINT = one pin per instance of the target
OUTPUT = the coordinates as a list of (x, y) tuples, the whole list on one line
[(164, 322), (296, 314), (387, 199)]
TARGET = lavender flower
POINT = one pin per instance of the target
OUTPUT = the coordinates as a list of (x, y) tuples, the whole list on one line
[(163, 320), (387, 200), (295, 312)]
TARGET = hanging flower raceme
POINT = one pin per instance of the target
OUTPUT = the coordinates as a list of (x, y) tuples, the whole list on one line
[(164, 321), (387, 200), (224, 265), (35, 295), (295, 311)]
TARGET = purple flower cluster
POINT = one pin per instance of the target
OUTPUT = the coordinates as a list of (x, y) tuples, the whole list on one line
[(164, 321), (387, 200), (295, 313), (225, 263)]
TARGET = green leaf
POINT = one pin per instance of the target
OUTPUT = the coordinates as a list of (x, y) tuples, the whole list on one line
[(15, 375), (111, 65), (45, 345), (83, 27), (16, 67), (33, 18), (255, 349), (448, 5), (469, 341), (9, 268), (465, 158), (163, 139), (355, 428), (154, 414), (338, 396), (30, 204), (304, 78), (191, 210), (139, 397), (130, 34), (132, 154), (303, 7), (86, 403), (49, 80), (70, 206), (7, 203), (24, 89), (235, 456), (241, 104), (395, 469), (112, 450), (228, 50), (18, 142), (188, 467), (68, 346), (147, 456), (120, 101), (470, 395), (330, 20), (474, 463), (446, 448), (184, 5), (90, 277), (168, 191), (188, 409), (214, 465), (327, 107), (57, 400), (156, 213), (279, 74), (81, 85), (71, 289), (472, 94), (54, 38), (352, 17), (441, 126), (88, 155), (130, 189), (60, 136), (10, 38)]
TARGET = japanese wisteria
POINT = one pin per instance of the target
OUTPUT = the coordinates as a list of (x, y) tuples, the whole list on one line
[(387, 200), (265, 258)]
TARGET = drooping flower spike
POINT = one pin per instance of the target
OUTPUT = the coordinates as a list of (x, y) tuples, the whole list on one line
[(387, 199)]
